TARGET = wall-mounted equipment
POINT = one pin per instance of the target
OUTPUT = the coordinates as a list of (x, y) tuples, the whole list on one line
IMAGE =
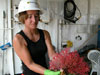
[(70, 10), (45, 17)]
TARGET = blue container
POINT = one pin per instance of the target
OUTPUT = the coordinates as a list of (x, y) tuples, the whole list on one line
[(98, 39), (5, 46)]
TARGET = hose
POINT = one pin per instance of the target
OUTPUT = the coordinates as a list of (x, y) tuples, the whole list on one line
[(3, 42), (70, 14)]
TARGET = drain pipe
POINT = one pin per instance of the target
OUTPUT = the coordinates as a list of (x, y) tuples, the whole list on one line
[(10, 25), (3, 42), (88, 16), (12, 35)]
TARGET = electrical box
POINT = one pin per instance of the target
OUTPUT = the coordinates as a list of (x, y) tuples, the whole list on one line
[(15, 12), (45, 17)]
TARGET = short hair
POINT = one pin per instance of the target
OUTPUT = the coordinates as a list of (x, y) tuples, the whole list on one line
[(22, 17)]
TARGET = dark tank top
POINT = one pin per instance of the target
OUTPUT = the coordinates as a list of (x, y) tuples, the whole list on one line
[(37, 51)]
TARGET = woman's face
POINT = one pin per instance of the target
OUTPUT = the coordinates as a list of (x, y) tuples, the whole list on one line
[(32, 19)]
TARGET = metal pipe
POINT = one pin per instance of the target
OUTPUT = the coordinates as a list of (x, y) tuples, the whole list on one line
[(88, 16), (3, 42), (12, 33), (58, 36), (6, 28), (10, 24)]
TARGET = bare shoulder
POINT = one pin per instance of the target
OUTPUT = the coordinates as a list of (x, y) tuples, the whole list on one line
[(45, 31), (18, 39), (46, 34)]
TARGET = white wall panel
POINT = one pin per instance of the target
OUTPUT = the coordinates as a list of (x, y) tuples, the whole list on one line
[(3, 37), (95, 7)]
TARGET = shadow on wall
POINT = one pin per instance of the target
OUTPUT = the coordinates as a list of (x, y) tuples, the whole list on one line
[(97, 22), (94, 28)]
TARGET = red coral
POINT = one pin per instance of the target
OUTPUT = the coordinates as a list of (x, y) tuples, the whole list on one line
[(70, 62)]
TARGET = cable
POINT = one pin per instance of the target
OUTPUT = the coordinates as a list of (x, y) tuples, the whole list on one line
[(69, 14)]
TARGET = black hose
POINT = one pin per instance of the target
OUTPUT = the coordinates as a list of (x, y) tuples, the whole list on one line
[(70, 14)]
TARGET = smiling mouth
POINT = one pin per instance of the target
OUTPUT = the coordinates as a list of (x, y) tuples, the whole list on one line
[(33, 24)]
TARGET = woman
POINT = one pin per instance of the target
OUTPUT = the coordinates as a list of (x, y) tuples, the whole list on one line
[(32, 43)]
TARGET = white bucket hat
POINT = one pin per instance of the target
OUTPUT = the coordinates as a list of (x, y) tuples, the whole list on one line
[(25, 5)]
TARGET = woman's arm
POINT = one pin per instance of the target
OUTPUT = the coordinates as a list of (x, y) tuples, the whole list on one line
[(51, 51), (20, 47)]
